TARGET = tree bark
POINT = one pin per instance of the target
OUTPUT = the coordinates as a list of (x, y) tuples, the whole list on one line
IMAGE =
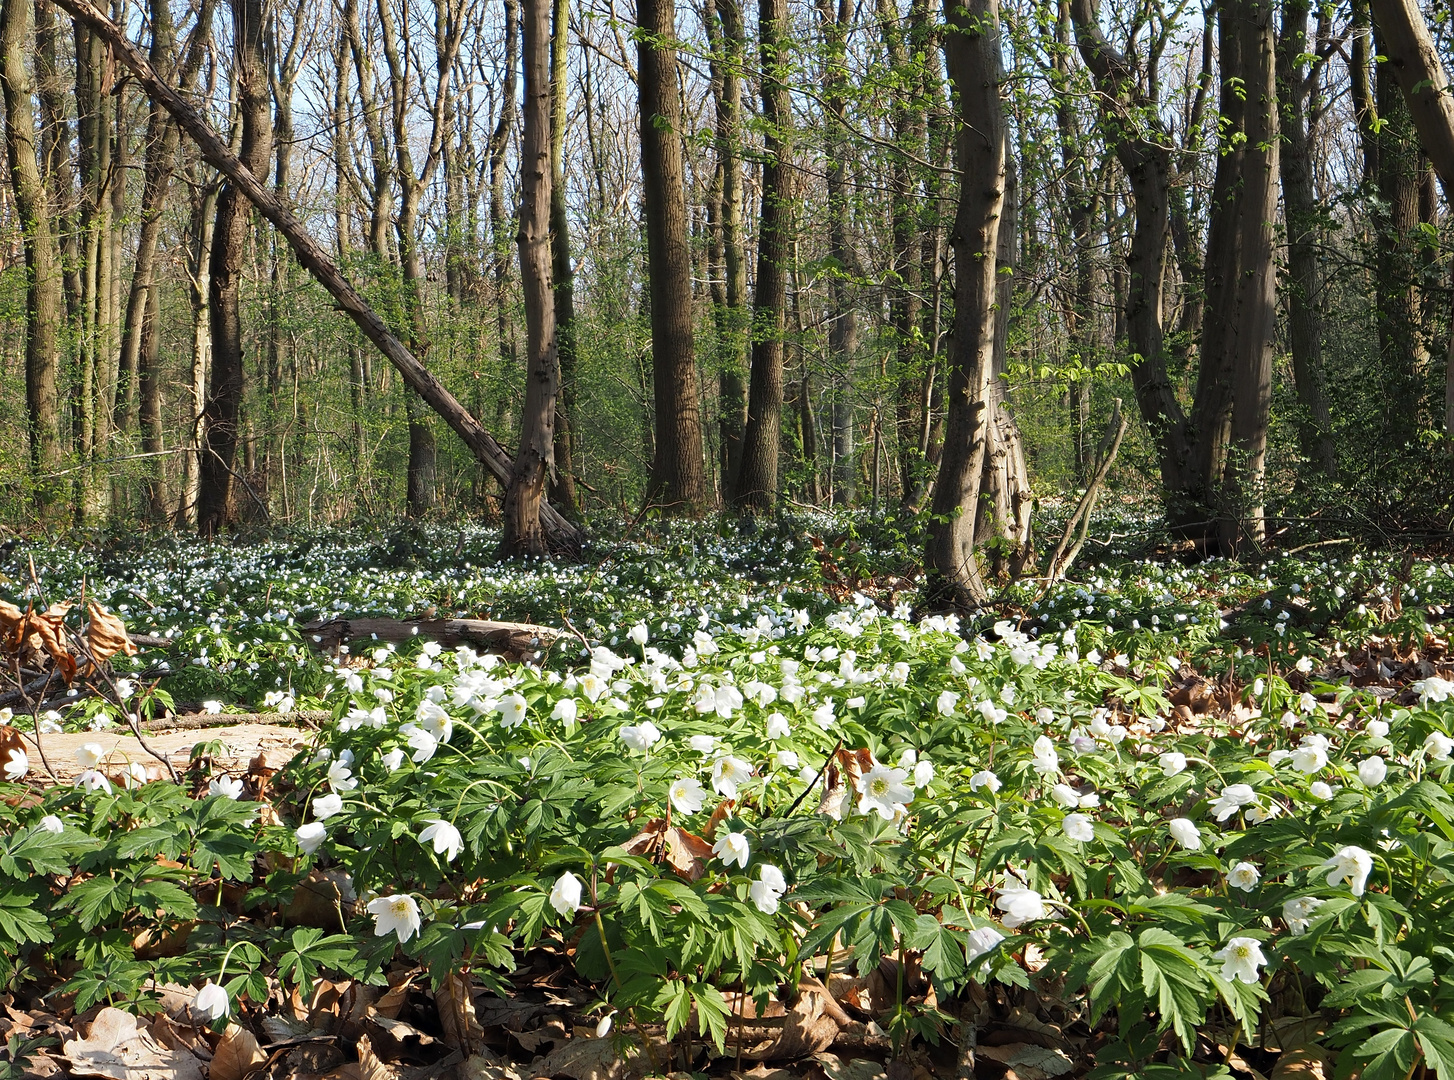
[(972, 53), (678, 482), (757, 479), (215, 507), (1298, 92), (535, 457), (563, 483), (730, 309), (1142, 146), (43, 300), (1234, 384)]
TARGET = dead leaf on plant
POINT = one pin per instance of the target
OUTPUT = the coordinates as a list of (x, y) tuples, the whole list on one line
[(118, 1049), (685, 852), (456, 1010), (106, 635)]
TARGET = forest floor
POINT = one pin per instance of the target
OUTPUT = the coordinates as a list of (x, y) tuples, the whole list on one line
[(721, 805)]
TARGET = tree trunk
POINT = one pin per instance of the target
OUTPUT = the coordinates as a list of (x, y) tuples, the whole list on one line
[(499, 228), (1298, 92), (33, 206), (678, 483), (563, 482), (757, 479), (1234, 386), (536, 455), (1143, 149), (730, 311), (972, 52), (215, 506)]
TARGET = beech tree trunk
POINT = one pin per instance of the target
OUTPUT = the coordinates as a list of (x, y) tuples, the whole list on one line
[(678, 482), (1234, 385), (972, 53), (757, 479), (43, 301), (535, 457), (215, 505)]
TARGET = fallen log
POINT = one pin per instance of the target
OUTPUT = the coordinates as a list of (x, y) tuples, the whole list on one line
[(239, 745), (514, 641)]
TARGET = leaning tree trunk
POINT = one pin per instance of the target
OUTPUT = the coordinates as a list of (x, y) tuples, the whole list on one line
[(678, 480), (757, 477), (317, 262), (215, 498), (42, 254), (1143, 149), (536, 455), (972, 51)]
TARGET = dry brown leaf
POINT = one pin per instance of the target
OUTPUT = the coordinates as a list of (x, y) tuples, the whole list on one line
[(581, 1059), (394, 998), (106, 635), (808, 1028), (1030, 1062), (1305, 1063), (835, 1068), (183, 1037), (10, 617), (486, 1066), (456, 1010), (236, 1055), (367, 1067), (116, 1048)]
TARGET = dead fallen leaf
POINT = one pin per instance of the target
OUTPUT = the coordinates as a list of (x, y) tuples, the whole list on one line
[(835, 1068), (115, 1047), (236, 1055), (1305, 1063), (1030, 1062), (456, 1010), (685, 852), (582, 1059), (808, 1028), (367, 1067)]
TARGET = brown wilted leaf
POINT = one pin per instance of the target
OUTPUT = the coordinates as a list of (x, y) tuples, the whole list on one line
[(456, 1009), (1305, 1063), (237, 1055), (106, 635), (10, 617), (37, 635), (367, 1067), (808, 1028)]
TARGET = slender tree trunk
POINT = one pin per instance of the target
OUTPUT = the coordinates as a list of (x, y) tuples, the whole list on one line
[(1298, 92), (728, 57), (678, 482), (536, 454), (563, 481), (910, 127), (972, 52), (216, 510), (43, 302), (757, 481), (499, 148)]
